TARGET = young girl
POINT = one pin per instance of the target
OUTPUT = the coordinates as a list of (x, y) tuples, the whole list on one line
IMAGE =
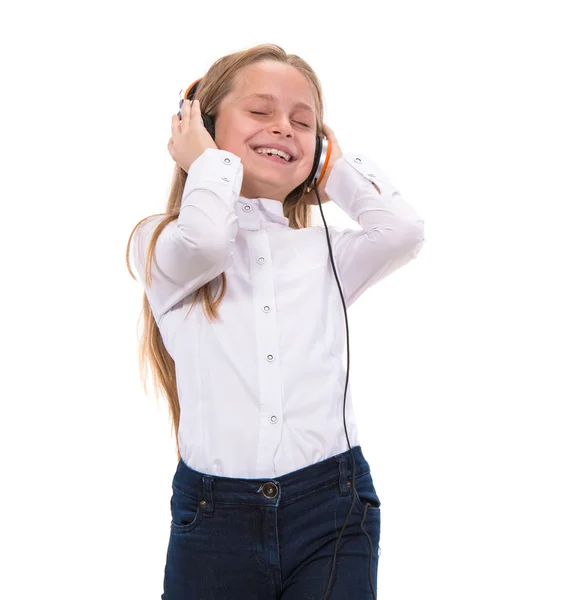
[(264, 484)]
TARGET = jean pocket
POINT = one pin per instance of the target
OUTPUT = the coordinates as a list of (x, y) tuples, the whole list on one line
[(186, 511), (366, 496)]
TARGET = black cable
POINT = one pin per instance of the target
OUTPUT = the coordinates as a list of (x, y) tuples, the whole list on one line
[(344, 422)]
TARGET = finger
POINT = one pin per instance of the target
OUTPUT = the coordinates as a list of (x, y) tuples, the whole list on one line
[(185, 110), (195, 116), (175, 121), (178, 123)]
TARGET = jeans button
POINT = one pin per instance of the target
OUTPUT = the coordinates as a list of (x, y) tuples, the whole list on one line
[(270, 490)]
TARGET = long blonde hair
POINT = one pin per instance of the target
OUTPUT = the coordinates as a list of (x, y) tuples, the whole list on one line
[(219, 81)]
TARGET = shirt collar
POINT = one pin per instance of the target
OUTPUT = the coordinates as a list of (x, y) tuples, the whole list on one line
[(272, 209)]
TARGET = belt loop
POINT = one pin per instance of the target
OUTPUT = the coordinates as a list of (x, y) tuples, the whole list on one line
[(207, 495), (343, 487)]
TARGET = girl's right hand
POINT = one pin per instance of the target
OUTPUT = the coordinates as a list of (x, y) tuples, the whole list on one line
[(189, 137)]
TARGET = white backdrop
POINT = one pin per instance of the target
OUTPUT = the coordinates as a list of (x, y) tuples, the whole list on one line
[(454, 358)]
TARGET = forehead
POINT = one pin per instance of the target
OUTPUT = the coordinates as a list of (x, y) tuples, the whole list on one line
[(275, 83)]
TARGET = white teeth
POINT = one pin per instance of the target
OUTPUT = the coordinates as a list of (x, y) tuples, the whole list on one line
[(275, 152)]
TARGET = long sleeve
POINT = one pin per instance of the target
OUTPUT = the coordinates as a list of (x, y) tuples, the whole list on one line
[(197, 246), (391, 234)]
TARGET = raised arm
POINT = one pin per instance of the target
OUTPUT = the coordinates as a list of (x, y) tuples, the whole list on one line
[(391, 234), (197, 246)]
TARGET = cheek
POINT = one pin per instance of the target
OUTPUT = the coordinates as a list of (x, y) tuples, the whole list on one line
[(309, 152), (233, 143), (242, 140), (232, 137)]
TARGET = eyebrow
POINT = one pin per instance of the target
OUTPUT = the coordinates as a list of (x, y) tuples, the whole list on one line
[(272, 98)]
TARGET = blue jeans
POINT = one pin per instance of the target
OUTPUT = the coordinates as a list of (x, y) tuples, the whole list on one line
[(273, 539)]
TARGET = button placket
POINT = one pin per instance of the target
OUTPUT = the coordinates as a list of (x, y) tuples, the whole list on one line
[(252, 220), (271, 410), (266, 308), (270, 358)]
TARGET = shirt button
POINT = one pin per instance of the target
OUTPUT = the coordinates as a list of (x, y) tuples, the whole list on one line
[(226, 160), (371, 175), (270, 357), (266, 308), (273, 419), (357, 160), (261, 260), (225, 179), (247, 207)]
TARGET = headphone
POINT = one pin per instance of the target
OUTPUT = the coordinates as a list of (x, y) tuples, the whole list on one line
[(321, 160)]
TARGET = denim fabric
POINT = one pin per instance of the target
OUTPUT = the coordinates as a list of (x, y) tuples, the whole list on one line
[(273, 539)]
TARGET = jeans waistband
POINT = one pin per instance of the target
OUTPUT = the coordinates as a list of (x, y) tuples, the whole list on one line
[(274, 491)]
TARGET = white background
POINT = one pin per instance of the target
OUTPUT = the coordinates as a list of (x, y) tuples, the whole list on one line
[(455, 359)]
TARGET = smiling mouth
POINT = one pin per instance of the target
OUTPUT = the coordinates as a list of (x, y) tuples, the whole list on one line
[(275, 158)]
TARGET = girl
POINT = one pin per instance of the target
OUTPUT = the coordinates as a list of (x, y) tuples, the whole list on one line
[(265, 485)]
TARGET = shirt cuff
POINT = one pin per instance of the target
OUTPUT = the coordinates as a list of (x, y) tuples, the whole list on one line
[(219, 171), (355, 172)]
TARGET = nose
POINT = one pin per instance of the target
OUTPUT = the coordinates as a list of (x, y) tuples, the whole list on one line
[(283, 127)]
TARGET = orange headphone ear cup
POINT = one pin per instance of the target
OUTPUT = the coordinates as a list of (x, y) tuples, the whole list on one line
[(327, 153), (321, 160), (317, 157)]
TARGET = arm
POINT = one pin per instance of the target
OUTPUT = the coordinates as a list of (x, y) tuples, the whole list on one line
[(391, 234), (197, 246)]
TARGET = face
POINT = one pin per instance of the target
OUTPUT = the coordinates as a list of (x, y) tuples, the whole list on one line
[(245, 121)]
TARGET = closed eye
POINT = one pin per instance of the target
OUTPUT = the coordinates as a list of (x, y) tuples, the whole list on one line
[(260, 113)]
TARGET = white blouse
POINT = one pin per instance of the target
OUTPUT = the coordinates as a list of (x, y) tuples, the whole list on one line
[(261, 389)]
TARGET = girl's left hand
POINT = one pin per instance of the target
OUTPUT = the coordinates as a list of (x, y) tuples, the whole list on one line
[(310, 197)]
